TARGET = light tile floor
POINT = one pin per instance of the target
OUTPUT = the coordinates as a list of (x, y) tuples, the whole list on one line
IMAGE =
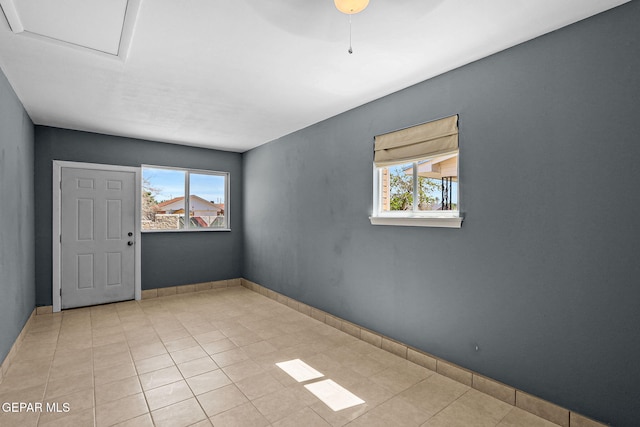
[(208, 358)]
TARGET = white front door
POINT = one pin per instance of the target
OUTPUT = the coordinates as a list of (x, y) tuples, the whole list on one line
[(97, 236)]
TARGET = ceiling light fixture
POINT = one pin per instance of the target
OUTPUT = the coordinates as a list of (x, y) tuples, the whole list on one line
[(351, 7)]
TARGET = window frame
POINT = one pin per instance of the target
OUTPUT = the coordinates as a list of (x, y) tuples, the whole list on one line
[(187, 174), (413, 217)]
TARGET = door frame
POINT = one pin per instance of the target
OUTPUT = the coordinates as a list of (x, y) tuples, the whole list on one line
[(57, 226)]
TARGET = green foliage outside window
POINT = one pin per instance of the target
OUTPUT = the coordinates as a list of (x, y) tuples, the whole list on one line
[(401, 186)]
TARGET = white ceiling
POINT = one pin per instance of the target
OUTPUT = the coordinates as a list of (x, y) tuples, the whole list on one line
[(236, 74)]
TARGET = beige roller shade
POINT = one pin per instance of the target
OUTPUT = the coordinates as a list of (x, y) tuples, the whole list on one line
[(417, 142)]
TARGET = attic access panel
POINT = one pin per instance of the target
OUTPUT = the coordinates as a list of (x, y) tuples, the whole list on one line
[(99, 25)]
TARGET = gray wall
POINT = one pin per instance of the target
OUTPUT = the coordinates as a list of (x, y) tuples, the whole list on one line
[(17, 283), (168, 259), (544, 273)]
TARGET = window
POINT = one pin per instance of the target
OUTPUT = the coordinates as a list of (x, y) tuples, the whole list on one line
[(416, 176), (189, 200)]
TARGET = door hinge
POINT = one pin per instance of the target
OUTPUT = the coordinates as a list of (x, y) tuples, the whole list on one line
[(61, 238), (60, 291)]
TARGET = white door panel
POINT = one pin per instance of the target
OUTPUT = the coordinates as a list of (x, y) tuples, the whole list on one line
[(97, 236)]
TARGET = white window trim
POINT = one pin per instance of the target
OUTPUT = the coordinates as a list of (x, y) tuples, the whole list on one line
[(418, 221), (227, 210), (452, 219)]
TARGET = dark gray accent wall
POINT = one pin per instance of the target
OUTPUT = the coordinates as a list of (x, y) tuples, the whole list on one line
[(17, 282), (543, 275), (168, 259)]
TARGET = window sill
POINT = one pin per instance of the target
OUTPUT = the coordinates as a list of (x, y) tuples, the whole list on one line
[(185, 230), (419, 221)]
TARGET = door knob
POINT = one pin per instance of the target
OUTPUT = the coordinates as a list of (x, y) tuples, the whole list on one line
[(129, 234), (130, 243)]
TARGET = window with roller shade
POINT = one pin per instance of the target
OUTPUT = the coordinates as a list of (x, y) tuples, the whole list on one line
[(416, 180)]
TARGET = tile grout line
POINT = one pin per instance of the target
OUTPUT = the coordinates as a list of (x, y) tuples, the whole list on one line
[(136, 370), (506, 415), (458, 398), (185, 379), (339, 323), (418, 357), (46, 384), (320, 414), (93, 375), (195, 396)]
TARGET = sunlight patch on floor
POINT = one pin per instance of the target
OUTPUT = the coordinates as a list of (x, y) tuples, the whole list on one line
[(331, 393), (299, 370), (334, 395)]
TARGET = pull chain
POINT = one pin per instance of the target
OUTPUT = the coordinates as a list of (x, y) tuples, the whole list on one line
[(350, 48)]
